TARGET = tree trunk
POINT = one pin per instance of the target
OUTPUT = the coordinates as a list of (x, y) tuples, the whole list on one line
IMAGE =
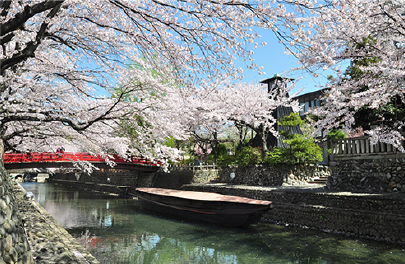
[(215, 147), (2, 155), (264, 140), (240, 128)]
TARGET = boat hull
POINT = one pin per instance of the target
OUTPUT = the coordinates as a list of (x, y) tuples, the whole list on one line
[(230, 212)]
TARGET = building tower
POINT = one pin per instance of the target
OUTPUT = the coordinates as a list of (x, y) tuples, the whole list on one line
[(278, 83)]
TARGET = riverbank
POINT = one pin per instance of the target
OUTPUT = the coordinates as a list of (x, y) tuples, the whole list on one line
[(372, 216), (49, 241), (122, 231), (379, 217)]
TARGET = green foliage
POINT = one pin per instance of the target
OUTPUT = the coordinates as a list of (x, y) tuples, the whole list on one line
[(367, 117), (243, 144), (222, 150), (302, 148), (223, 158), (189, 160), (335, 134), (393, 111), (171, 142), (248, 156), (291, 120), (275, 157)]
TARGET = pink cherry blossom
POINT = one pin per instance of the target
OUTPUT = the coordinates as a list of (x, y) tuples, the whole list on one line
[(329, 35), (72, 71)]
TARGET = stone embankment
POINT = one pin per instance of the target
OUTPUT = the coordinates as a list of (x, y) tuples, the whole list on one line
[(375, 213), (374, 216), (14, 246), (368, 174), (263, 175), (49, 241)]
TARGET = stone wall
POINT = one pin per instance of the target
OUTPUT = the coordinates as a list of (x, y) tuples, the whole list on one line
[(104, 176), (206, 175), (273, 176), (368, 174), (173, 179), (50, 242), (177, 177), (255, 176), (124, 183), (121, 182), (374, 216), (14, 246)]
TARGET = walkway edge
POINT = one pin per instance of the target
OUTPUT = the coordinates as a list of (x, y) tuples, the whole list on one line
[(379, 217)]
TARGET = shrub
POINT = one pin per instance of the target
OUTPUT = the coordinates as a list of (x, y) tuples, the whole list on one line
[(248, 156), (223, 158), (301, 149), (274, 157)]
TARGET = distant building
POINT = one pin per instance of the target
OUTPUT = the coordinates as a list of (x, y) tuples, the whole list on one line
[(310, 100), (278, 83)]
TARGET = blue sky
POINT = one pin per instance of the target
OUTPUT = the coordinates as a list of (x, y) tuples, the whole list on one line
[(274, 60)]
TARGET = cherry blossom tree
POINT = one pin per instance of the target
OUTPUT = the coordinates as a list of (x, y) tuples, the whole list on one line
[(57, 57), (202, 112), (230, 104), (324, 35)]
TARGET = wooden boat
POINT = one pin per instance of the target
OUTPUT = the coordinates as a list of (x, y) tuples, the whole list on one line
[(203, 206)]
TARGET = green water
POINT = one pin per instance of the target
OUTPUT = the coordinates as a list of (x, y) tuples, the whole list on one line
[(117, 230)]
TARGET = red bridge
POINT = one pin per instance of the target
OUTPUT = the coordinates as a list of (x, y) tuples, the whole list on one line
[(66, 159)]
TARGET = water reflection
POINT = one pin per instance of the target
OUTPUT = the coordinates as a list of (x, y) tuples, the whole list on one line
[(118, 231)]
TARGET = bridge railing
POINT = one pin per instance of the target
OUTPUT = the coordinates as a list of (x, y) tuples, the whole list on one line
[(70, 156)]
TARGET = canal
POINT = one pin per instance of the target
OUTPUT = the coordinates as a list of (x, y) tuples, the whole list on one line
[(117, 230)]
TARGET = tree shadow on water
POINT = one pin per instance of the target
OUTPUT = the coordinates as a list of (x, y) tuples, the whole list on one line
[(311, 246)]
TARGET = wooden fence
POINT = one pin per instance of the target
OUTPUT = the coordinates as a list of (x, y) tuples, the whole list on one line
[(194, 167), (360, 145)]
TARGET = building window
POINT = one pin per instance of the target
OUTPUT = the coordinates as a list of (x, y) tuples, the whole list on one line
[(302, 108)]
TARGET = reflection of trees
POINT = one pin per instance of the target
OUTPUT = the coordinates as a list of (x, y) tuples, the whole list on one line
[(75, 209), (150, 239), (151, 248), (309, 246), (124, 233), (73, 216)]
